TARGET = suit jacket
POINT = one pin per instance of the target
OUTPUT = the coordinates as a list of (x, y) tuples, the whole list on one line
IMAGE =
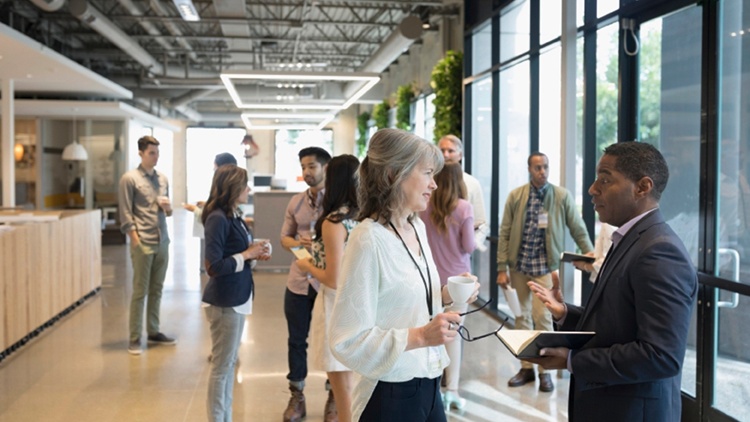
[(640, 309), (226, 237)]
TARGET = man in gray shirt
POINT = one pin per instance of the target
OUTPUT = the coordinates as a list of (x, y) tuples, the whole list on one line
[(144, 206)]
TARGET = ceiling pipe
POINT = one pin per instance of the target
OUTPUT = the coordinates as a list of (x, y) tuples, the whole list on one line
[(191, 96), (149, 27), (51, 6), (98, 22), (407, 32), (173, 29)]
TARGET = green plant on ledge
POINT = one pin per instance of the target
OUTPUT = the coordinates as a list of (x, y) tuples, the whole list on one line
[(404, 95), (446, 82), (362, 120), (380, 114)]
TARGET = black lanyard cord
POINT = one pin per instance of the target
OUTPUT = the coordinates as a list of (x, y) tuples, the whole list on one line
[(427, 285)]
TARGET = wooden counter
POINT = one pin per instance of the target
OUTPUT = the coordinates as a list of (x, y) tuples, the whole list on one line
[(45, 268)]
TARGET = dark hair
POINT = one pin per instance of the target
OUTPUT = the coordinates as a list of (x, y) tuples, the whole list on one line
[(224, 158), (391, 157), (450, 188), (535, 154), (341, 190), (228, 183), (637, 160), (322, 156), (145, 141)]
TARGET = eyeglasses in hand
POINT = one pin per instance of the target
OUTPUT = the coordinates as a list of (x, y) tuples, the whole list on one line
[(464, 332)]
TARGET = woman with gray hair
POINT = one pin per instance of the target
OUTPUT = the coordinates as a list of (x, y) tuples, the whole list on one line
[(387, 323)]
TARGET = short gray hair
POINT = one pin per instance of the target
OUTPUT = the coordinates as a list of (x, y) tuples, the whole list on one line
[(391, 157)]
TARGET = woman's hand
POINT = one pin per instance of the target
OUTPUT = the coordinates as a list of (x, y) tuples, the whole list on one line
[(441, 330), (258, 251), (474, 295), (305, 264)]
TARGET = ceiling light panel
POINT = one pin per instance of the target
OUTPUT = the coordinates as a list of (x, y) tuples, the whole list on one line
[(230, 80)]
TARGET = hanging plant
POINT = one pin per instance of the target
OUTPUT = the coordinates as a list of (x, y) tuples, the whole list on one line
[(404, 95), (380, 114), (446, 82), (362, 120)]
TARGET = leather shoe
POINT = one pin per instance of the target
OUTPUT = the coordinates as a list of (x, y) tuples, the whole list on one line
[(545, 383), (524, 376)]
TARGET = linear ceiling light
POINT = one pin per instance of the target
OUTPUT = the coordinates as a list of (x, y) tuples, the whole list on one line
[(324, 118), (229, 79), (187, 10)]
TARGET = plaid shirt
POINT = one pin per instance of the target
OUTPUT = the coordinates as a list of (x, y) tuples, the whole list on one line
[(532, 257)]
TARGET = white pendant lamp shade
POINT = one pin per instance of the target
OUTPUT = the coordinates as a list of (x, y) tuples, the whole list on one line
[(75, 152)]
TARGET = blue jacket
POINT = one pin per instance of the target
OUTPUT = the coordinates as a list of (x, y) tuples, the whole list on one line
[(640, 309), (226, 237)]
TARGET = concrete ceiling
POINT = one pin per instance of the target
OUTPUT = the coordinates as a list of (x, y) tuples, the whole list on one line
[(111, 48)]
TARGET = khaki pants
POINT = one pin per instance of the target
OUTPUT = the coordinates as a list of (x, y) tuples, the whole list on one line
[(535, 314), (150, 263)]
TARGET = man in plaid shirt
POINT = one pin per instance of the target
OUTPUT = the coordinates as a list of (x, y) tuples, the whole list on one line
[(532, 236)]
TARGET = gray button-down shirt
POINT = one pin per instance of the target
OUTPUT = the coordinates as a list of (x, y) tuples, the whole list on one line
[(139, 208)]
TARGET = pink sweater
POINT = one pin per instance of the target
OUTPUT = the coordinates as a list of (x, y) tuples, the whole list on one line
[(451, 250)]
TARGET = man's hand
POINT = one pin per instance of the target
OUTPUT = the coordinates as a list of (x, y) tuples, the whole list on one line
[(552, 298), (502, 279), (551, 358)]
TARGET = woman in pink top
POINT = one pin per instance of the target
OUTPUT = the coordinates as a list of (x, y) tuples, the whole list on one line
[(449, 222)]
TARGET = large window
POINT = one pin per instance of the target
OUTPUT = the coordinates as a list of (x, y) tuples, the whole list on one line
[(202, 146), (288, 144), (549, 111), (514, 30)]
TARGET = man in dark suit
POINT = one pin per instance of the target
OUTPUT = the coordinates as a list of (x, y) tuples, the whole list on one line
[(641, 304)]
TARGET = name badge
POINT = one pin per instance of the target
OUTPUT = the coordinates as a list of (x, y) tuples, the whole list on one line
[(542, 220)]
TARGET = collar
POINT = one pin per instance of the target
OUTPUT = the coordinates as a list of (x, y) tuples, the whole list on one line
[(541, 191), (625, 228), (145, 173)]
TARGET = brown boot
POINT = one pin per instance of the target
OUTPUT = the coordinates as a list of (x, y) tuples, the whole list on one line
[(545, 383), (330, 414), (295, 410), (524, 376)]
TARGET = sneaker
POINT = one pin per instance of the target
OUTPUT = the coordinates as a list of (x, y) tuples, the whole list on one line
[(330, 414), (295, 410), (134, 348), (161, 338)]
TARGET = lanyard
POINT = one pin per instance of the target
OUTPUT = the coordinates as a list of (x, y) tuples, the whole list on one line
[(427, 291)]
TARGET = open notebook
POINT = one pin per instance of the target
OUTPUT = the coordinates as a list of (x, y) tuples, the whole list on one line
[(527, 343)]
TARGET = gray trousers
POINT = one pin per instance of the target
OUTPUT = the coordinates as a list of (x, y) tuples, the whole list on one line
[(226, 332)]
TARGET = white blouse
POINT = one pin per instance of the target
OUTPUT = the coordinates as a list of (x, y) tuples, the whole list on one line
[(379, 297)]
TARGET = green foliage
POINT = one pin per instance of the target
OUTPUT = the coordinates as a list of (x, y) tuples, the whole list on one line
[(404, 95), (447, 83), (380, 114), (362, 120)]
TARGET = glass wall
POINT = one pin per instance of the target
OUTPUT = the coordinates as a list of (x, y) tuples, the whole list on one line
[(683, 91)]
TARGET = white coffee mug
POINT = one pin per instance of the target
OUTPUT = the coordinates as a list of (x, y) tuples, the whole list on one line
[(265, 242), (461, 288)]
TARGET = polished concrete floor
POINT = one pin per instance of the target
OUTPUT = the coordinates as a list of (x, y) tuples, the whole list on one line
[(79, 370)]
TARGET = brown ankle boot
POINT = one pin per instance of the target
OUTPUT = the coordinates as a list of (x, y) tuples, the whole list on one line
[(330, 414), (295, 410)]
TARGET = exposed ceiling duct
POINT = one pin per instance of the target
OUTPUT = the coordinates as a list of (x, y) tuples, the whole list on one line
[(149, 27), (101, 24), (173, 29), (407, 32)]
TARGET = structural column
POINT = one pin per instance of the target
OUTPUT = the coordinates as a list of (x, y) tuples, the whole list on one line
[(7, 141)]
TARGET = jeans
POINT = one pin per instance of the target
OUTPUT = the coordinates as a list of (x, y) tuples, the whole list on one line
[(416, 400), (298, 312), (226, 331), (150, 263)]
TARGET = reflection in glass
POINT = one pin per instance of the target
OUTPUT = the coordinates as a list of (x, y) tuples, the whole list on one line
[(481, 49), (514, 137), (549, 111), (514, 30), (732, 381), (669, 118), (481, 166), (550, 21)]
